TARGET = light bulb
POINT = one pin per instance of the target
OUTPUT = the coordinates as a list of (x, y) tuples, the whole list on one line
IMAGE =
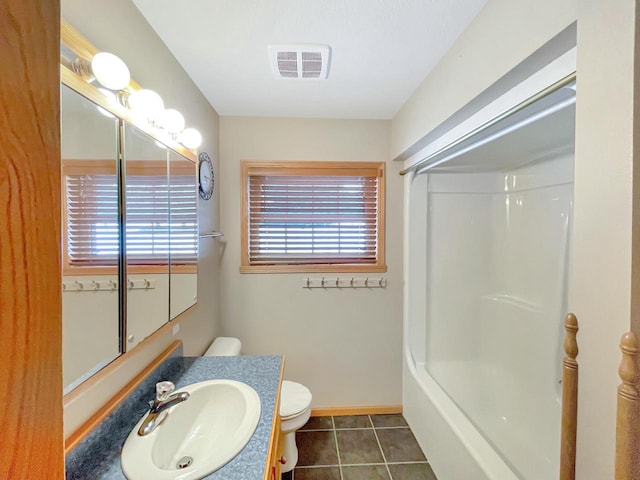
[(146, 102), (191, 138), (110, 71), (172, 121)]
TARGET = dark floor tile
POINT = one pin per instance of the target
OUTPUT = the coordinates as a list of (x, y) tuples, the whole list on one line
[(352, 421), (366, 472), (322, 473), (395, 420), (287, 475), (318, 423), (399, 445), (358, 446), (413, 471), (316, 448)]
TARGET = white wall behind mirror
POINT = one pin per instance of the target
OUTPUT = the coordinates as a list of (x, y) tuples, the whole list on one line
[(90, 238)]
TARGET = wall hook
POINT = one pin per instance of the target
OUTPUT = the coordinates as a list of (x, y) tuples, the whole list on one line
[(79, 285), (96, 285), (147, 283), (308, 283), (351, 282), (366, 282), (380, 282), (338, 282), (322, 281)]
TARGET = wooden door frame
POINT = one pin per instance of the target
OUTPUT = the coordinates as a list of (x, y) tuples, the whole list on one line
[(30, 300)]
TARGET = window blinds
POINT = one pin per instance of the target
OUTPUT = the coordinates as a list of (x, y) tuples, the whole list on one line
[(153, 238), (313, 218), (183, 223), (92, 219), (147, 219)]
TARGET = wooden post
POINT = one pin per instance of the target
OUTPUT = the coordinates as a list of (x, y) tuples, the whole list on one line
[(628, 419), (30, 292), (569, 400)]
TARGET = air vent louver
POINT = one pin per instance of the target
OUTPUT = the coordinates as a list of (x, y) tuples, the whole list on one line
[(300, 61)]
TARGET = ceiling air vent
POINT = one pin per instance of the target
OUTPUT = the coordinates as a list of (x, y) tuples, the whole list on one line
[(300, 61)]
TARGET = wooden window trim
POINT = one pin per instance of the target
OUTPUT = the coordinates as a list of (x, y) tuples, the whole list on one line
[(301, 168)]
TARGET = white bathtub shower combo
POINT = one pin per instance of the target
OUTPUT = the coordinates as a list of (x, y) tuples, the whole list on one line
[(488, 237)]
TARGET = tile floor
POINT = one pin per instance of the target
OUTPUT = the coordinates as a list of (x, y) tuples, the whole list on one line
[(363, 447)]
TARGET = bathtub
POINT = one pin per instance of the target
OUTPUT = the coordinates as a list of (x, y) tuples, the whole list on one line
[(482, 342)]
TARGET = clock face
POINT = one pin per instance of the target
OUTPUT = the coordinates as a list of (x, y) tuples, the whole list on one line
[(207, 179)]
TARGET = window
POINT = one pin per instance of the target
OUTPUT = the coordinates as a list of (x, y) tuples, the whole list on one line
[(312, 217), (90, 196)]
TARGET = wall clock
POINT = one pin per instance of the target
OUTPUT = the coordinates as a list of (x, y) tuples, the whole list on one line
[(206, 175)]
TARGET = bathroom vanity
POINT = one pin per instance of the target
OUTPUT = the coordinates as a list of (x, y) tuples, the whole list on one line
[(98, 455)]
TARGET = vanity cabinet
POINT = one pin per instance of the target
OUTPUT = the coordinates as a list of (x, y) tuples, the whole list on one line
[(273, 467), (258, 460)]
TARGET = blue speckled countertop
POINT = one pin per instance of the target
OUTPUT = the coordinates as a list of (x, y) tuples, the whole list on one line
[(98, 455)]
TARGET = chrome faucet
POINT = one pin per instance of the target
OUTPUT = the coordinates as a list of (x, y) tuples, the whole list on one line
[(164, 400)]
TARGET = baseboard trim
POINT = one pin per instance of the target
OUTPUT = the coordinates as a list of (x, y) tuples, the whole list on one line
[(363, 410)]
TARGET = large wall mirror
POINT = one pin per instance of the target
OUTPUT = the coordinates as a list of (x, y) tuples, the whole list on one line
[(146, 234), (90, 237), (130, 236), (183, 221)]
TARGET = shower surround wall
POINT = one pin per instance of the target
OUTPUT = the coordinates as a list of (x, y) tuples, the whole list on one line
[(497, 259)]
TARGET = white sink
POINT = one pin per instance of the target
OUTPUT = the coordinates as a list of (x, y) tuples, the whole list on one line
[(211, 428)]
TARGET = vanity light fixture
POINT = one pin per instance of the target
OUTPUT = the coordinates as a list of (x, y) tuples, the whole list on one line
[(106, 68), (172, 121), (145, 102), (145, 105), (190, 138)]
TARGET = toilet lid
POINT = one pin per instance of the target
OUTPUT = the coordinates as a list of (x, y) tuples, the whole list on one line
[(294, 398)]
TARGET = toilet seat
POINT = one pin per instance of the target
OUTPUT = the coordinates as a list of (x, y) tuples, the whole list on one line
[(294, 399)]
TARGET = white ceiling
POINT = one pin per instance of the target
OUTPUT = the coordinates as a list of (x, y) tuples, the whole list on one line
[(381, 51)]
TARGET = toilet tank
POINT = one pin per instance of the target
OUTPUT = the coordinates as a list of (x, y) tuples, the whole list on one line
[(224, 347)]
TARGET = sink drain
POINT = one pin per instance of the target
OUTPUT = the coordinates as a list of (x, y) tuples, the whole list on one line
[(184, 462)]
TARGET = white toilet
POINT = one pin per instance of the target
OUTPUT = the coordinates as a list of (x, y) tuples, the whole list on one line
[(295, 410), (295, 403)]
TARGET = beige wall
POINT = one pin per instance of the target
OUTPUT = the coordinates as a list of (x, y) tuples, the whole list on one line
[(117, 26), (504, 33), (344, 344), (601, 279)]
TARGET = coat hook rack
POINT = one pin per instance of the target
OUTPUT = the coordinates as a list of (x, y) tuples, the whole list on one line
[(340, 282), (90, 286)]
